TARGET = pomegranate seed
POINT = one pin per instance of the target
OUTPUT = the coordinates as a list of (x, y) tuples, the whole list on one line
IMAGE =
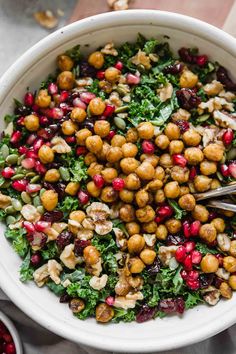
[(188, 262), (193, 284), (183, 125), (28, 163), (201, 60), (43, 120), (110, 135), (31, 139), (41, 225), (196, 257), (224, 170), (186, 229), (7, 337), (190, 245), (78, 103), (118, 184), (20, 185), (132, 79), (110, 300), (28, 226), (86, 97), (56, 113), (165, 211), (22, 150), (33, 188), (8, 172), (40, 168), (109, 110), (64, 95), (192, 173), (35, 259), (35, 108), (98, 181), (184, 274), (29, 99), (119, 65), (180, 254), (228, 137), (83, 197), (232, 169), (31, 154), (81, 150), (15, 137), (10, 348), (220, 259), (65, 108), (148, 147), (37, 144), (195, 227), (179, 160), (193, 275), (52, 88), (70, 139), (158, 219), (21, 121), (100, 75)]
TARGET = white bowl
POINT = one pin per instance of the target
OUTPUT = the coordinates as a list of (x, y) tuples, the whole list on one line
[(30, 70), (13, 331)]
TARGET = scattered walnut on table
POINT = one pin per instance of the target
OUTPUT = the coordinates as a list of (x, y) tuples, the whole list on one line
[(46, 19)]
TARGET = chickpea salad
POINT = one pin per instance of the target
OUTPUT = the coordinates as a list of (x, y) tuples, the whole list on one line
[(99, 170)]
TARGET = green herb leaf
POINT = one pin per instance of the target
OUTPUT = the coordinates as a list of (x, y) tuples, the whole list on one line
[(68, 205), (26, 270), (204, 249), (74, 53), (57, 289), (179, 213), (193, 299), (19, 241), (150, 46), (124, 315), (50, 251), (78, 169)]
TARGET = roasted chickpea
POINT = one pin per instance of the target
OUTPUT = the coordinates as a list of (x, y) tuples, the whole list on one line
[(94, 143), (188, 79), (209, 264), (145, 171), (43, 99), (161, 232), (176, 147), (214, 152), (208, 168), (91, 255), (49, 200), (136, 265), (122, 287), (109, 195), (89, 158), (145, 214), (225, 290), (114, 154), (126, 195), (112, 74), (52, 175), (77, 215), (104, 313), (232, 249), (150, 227), (145, 130), (154, 185), (232, 281), (191, 137), (66, 80), (180, 174), (159, 196), (127, 213), (46, 154), (93, 190), (64, 62), (152, 159), (132, 228), (229, 264), (129, 165), (132, 182), (166, 161), (219, 224), (215, 183), (101, 155), (129, 150), (118, 140), (132, 135), (173, 225), (82, 135), (184, 190), (148, 256), (68, 127), (142, 198), (207, 233), (76, 305), (96, 106), (78, 114), (159, 173), (193, 155), (227, 213), (72, 188), (187, 202), (202, 183), (200, 213), (31, 122), (95, 169), (162, 141), (96, 59), (136, 244), (109, 174), (172, 131), (172, 189)]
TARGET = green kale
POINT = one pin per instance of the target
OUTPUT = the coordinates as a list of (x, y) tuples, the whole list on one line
[(150, 46), (179, 213), (74, 53), (3, 214), (19, 240), (106, 245), (204, 249), (78, 169), (124, 315), (155, 297), (68, 205), (75, 276), (49, 251), (204, 73), (178, 281), (94, 88), (44, 84), (57, 289), (10, 118), (193, 298), (26, 270)]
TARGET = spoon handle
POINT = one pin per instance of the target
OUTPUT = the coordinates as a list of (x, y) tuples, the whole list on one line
[(222, 205), (216, 192)]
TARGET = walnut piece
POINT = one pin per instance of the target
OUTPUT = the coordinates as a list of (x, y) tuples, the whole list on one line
[(121, 5), (211, 295), (224, 120), (96, 268), (41, 275), (84, 234), (5, 201), (223, 274), (30, 213), (166, 253), (85, 81), (141, 58), (109, 49), (229, 96), (98, 211), (54, 270), (165, 92), (223, 241), (68, 257), (128, 301), (180, 114), (60, 145), (213, 88), (216, 103), (88, 224), (98, 283), (103, 227), (150, 239)]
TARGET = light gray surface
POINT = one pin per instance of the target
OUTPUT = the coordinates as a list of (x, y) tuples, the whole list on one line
[(18, 32)]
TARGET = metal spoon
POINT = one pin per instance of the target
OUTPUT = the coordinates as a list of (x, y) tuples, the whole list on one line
[(224, 205), (222, 191)]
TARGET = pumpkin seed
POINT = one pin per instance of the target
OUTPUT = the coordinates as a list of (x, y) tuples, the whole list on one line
[(20, 158), (30, 174), (121, 109), (65, 174), (35, 179), (18, 176), (5, 184), (4, 151), (10, 210), (231, 154), (26, 197), (12, 159), (16, 204), (10, 220), (40, 209), (18, 217), (36, 201), (42, 191), (120, 123)]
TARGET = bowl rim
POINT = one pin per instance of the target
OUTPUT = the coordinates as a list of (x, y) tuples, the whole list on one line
[(13, 331), (27, 60)]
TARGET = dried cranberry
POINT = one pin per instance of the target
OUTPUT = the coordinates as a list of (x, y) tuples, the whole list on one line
[(185, 55), (22, 110), (80, 245), (52, 216), (119, 65), (35, 259), (29, 99), (175, 240), (217, 282), (183, 125), (65, 298), (87, 70), (180, 305), (223, 76), (81, 150), (228, 136), (60, 189), (64, 239), (205, 280), (155, 267), (167, 305), (83, 197), (187, 98), (146, 313), (88, 124), (173, 69)]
